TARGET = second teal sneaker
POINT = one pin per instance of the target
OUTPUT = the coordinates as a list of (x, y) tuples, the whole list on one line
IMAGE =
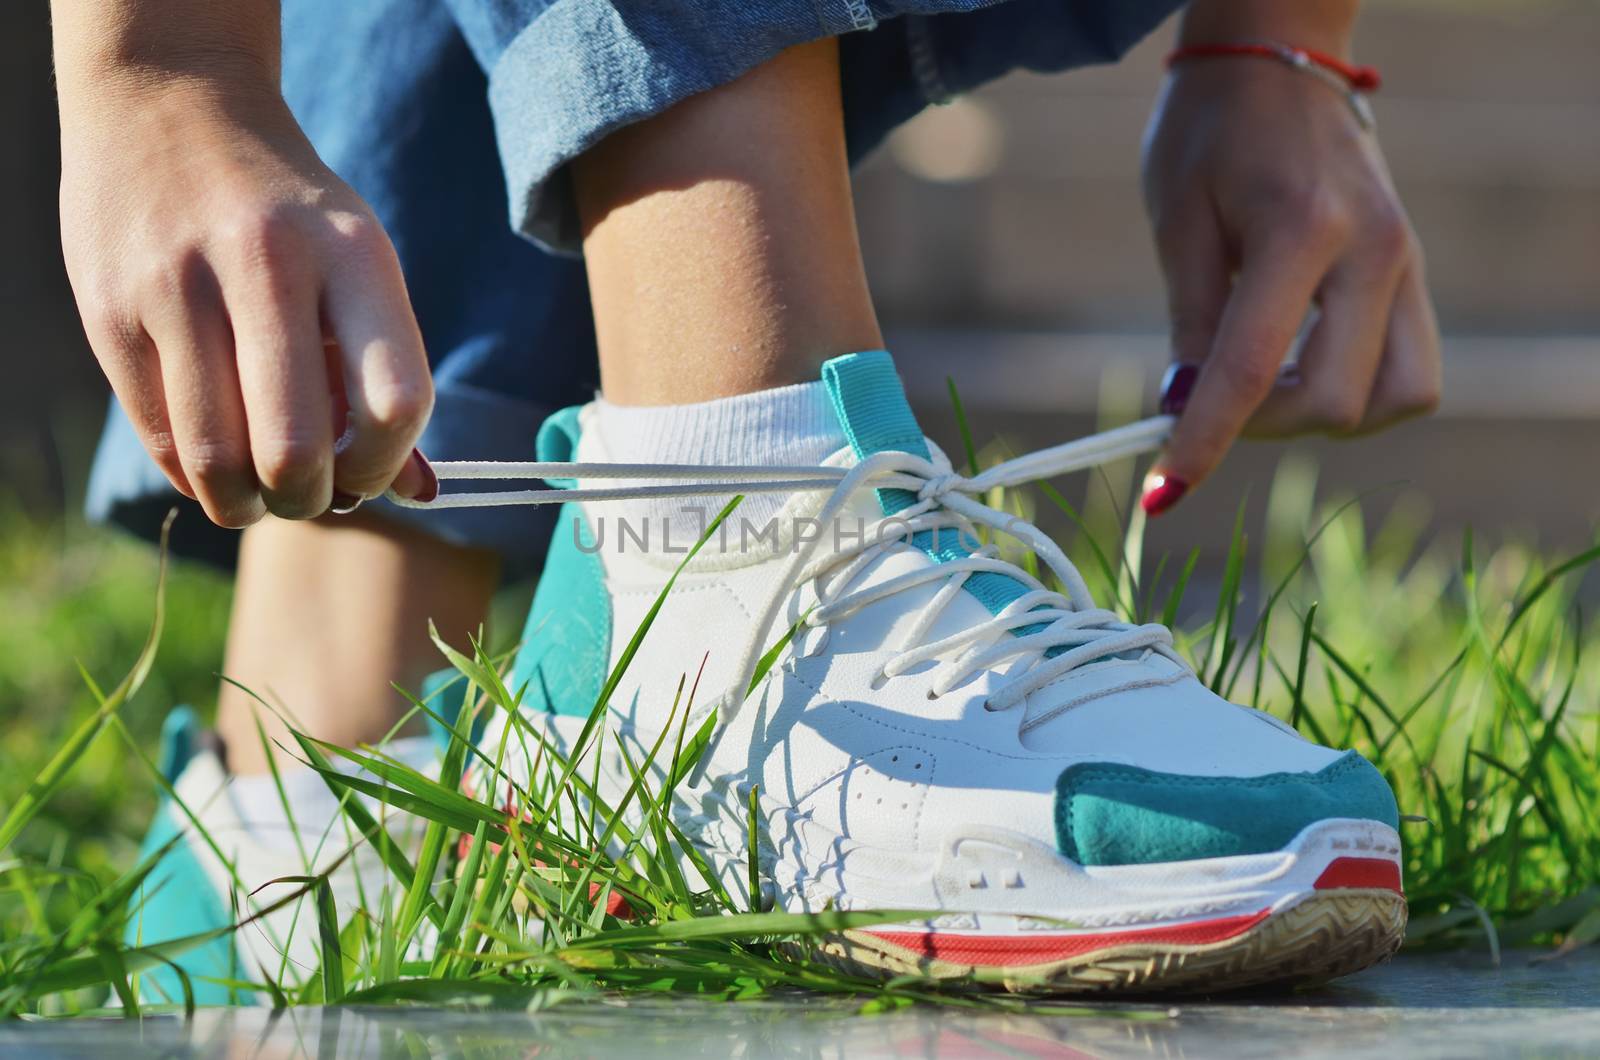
[(204, 882)]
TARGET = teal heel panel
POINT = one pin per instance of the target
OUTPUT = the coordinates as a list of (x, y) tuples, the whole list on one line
[(178, 899), (566, 644), (871, 404)]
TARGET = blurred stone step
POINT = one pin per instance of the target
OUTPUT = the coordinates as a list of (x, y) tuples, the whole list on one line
[(1486, 377)]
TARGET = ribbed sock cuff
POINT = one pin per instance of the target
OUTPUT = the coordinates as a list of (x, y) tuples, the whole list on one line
[(789, 425)]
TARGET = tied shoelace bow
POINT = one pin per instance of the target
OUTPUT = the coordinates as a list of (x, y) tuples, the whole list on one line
[(1041, 635)]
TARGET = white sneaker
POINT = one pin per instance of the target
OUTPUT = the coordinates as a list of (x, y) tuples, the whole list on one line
[(944, 733), (223, 864)]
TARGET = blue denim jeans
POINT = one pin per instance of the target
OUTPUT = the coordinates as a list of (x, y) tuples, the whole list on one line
[(455, 120)]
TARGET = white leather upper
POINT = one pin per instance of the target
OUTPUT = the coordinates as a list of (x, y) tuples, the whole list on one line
[(878, 758)]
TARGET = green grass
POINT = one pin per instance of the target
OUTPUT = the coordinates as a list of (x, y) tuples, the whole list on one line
[(72, 596), (1464, 670)]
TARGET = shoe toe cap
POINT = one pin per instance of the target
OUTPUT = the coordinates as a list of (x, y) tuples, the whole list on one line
[(1114, 814)]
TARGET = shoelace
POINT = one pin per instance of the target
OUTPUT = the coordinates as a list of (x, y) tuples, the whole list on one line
[(1040, 636)]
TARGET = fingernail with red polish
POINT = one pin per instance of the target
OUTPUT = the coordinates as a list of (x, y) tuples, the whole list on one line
[(1175, 388), (1161, 492), (430, 478), (417, 480)]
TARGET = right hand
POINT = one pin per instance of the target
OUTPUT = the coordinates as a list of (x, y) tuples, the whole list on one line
[(244, 302)]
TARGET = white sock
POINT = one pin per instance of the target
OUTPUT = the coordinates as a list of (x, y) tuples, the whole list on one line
[(311, 802), (789, 425)]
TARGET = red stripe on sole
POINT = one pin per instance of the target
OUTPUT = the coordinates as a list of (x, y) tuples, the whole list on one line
[(1007, 951), (1379, 874)]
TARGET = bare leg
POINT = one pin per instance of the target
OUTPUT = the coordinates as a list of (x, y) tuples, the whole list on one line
[(721, 242), (327, 613)]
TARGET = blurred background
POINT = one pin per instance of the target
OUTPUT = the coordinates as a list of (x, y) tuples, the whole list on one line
[(1009, 252)]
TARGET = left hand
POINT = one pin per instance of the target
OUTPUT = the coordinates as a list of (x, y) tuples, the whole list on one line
[(1268, 198)]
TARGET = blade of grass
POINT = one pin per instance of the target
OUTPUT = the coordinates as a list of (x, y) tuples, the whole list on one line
[(1298, 703), (753, 848), (752, 926), (393, 858), (1169, 614), (55, 771), (962, 426), (1222, 641)]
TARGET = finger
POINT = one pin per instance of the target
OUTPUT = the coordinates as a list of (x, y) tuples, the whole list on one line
[(1194, 261), (129, 360), (1410, 379), (201, 382), (283, 379), (417, 479), (386, 382), (1338, 364), (1264, 311)]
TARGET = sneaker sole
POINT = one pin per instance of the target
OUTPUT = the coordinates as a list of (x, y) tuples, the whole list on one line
[(1319, 937)]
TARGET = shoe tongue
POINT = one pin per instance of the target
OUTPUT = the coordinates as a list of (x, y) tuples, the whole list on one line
[(871, 404), (873, 411), (872, 408)]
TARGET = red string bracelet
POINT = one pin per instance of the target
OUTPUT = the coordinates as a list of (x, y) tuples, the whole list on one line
[(1354, 81), (1360, 78)]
